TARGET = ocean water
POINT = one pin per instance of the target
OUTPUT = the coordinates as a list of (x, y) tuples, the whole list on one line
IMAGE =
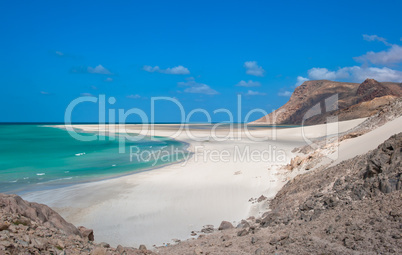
[(36, 157)]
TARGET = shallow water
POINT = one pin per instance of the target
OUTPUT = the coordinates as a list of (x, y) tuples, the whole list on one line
[(35, 157)]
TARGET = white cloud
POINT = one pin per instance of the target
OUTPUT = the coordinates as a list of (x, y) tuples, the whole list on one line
[(357, 74), (252, 68), (202, 89), (59, 53), (325, 74), (197, 88), (174, 70), (391, 56), (98, 70), (249, 83), (136, 96), (45, 93), (300, 80), (285, 93), (109, 79), (371, 38), (254, 93), (150, 69)]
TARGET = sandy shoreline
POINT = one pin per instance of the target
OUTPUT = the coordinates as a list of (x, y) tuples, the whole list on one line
[(157, 206)]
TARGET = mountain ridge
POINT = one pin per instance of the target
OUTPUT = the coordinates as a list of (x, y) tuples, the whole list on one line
[(313, 101)]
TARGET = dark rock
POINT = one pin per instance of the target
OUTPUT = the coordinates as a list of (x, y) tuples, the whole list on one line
[(243, 224), (207, 229), (261, 198), (243, 232), (329, 202), (225, 225), (253, 240), (86, 233), (270, 219)]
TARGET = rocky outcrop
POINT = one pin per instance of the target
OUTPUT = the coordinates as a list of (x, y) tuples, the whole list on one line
[(370, 89), (309, 103), (42, 214), (31, 228)]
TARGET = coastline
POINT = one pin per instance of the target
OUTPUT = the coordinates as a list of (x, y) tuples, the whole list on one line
[(154, 207)]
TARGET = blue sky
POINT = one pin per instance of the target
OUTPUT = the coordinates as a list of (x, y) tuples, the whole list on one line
[(203, 53)]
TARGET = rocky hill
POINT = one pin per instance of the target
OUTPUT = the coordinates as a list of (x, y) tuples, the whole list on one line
[(313, 101)]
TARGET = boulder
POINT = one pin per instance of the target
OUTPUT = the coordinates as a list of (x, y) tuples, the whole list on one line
[(225, 225), (86, 233), (243, 224), (4, 226)]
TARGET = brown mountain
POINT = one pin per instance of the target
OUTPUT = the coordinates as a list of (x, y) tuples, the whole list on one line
[(314, 101)]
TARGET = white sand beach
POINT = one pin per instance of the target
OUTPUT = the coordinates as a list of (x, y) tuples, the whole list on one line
[(154, 207)]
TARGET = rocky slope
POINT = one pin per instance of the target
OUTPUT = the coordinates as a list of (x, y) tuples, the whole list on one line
[(31, 228), (310, 101), (383, 114), (351, 208)]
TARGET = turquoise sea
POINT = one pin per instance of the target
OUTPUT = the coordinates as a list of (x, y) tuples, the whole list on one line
[(36, 157)]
